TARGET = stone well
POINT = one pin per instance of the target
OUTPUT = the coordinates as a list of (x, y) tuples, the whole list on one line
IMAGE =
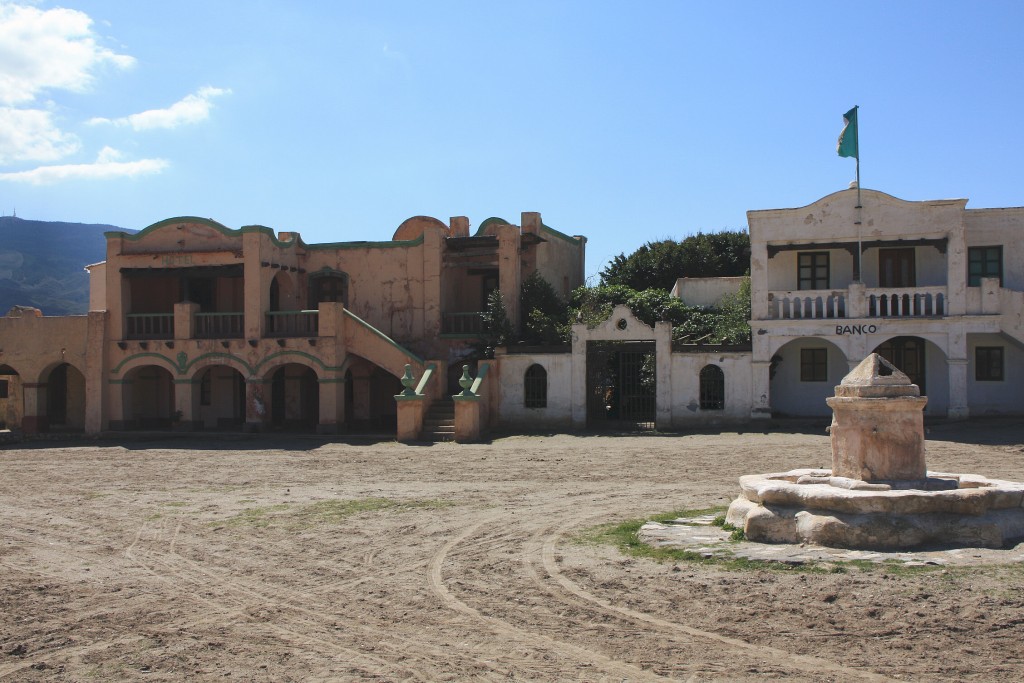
[(878, 494)]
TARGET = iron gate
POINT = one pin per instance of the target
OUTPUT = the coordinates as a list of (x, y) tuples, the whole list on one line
[(621, 385)]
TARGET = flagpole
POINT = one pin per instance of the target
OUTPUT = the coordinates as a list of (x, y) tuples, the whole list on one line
[(860, 207)]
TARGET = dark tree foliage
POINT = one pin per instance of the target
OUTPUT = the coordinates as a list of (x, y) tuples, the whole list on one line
[(658, 264), (497, 330), (544, 314)]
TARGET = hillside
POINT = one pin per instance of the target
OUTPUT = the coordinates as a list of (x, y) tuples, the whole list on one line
[(42, 264)]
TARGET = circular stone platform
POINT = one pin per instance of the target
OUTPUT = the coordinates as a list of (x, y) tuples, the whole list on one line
[(699, 535), (812, 506)]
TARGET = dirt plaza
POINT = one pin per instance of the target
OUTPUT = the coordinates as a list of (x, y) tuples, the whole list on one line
[(304, 559)]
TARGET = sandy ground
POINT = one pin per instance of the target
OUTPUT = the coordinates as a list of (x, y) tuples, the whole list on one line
[(298, 560)]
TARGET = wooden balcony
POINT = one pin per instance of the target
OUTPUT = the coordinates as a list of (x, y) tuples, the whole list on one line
[(293, 323)]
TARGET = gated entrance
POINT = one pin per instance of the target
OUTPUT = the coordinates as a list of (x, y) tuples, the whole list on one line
[(621, 385)]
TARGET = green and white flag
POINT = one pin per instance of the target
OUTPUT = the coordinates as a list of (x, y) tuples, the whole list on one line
[(847, 145)]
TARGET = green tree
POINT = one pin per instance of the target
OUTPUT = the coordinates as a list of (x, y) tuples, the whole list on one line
[(497, 330), (544, 314), (658, 264)]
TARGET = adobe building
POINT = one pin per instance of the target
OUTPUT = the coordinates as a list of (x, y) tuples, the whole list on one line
[(932, 286), (195, 326)]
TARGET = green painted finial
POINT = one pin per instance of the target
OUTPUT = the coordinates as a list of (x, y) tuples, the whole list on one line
[(466, 382), (408, 381)]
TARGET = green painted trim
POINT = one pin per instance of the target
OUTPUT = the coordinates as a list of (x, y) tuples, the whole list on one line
[(417, 397), (383, 336), (222, 229), (493, 220), (269, 232), (147, 354), (475, 387), (331, 380), (576, 241), (460, 397), (366, 245), (215, 354), (120, 381), (292, 352), (428, 372)]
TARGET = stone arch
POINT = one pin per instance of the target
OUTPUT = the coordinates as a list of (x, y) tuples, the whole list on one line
[(144, 359), (218, 397), (711, 381), (370, 396), (208, 360), (284, 292), (535, 387), (273, 361), (12, 404), (804, 372), (925, 362), (294, 397), (147, 396), (62, 405)]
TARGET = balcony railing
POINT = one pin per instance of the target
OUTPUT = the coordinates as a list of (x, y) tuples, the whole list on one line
[(293, 323), (462, 323), (149, 326), (219, 325), (858, 302), (807, 304), (906, 302)]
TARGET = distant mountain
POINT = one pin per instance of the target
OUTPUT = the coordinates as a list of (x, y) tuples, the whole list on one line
[(42, 264)]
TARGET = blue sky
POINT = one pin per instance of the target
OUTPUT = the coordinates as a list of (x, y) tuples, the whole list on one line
[(625, 122)]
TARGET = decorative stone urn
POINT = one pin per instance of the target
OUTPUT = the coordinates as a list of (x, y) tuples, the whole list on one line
[(879, 494)]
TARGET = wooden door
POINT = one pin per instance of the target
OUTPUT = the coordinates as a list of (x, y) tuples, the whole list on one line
[(896, 268)]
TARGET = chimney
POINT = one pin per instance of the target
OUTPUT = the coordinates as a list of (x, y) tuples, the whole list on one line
[(459, 226), (531, 222)]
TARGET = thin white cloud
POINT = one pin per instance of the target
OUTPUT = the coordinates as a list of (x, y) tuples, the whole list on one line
[(51, 49), (107, 166), (30, 135), (190, 109)]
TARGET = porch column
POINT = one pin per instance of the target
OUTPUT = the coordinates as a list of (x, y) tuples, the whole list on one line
[(578, 390), (95, 385), (256, 405), (34, 419), (958, 409), (663, 371), (186, 399), (760, 390), (332, 405)]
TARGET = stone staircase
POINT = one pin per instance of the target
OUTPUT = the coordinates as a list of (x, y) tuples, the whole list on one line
[(439, 422)]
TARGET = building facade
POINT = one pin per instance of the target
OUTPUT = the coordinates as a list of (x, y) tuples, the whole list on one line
[(935, 287), (195, 326)]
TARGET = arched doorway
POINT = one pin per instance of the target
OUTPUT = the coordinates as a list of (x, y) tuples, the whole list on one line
[(294, 398), (219, 398), (148, 398), (65, 398), (370, 397), (803, 373), (925, 363), (12, 406)]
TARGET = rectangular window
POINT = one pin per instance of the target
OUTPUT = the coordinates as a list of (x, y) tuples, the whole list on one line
[(984, 262), (3, 388), (813, 365), (812, 270), (988, 364)]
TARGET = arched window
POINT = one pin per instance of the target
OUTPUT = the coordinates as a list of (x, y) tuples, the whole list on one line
[(535, 387), (712, 388), (328, 284)]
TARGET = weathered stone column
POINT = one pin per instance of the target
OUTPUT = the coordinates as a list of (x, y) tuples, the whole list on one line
[(332, 405), (877, 424), (256, 405)]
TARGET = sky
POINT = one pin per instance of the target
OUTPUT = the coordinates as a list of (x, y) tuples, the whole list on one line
[(624, 122)]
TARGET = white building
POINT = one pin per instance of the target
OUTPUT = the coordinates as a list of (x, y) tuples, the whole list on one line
[(935, 287)]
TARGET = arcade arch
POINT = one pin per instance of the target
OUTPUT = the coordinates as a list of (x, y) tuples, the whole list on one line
[(147, 395), (802, 374)]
